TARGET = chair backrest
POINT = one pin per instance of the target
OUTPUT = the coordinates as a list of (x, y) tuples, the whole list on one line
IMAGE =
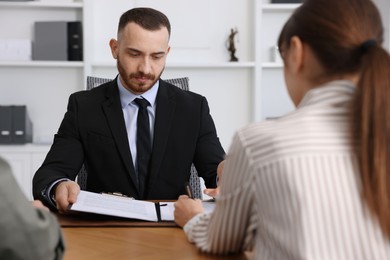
[(182, 83)]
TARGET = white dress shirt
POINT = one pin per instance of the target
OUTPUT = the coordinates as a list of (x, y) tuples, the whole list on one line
[(130, 113), (291, 188)]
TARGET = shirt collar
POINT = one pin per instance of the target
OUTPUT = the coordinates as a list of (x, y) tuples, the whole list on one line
[(127, 97), (330, 92)]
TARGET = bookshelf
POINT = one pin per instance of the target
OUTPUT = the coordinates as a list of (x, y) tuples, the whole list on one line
[(242, 92)]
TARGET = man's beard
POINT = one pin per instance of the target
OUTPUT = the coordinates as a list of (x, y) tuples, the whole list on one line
[(140, 87)]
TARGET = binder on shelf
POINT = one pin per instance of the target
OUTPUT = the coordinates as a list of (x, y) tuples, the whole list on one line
[(58, 40), (75, 41), (15, 125), (50, 41), (5, 124), (21, 125)]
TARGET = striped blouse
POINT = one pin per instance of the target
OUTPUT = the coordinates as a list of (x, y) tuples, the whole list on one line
[(291, 188)]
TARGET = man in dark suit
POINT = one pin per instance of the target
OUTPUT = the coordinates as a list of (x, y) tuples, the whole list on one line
[(99, 128)]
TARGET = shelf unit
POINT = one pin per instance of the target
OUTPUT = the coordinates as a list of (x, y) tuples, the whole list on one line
[(270, 98), (256, 61), (41, 85), (245, 91), (279, 7), (49, 82), (269, 80), (59, 64)]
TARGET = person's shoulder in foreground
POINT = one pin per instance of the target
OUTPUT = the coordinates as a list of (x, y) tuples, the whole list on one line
[(26, 232)]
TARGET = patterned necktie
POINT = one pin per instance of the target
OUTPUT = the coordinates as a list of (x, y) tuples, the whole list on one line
[(144, 146)]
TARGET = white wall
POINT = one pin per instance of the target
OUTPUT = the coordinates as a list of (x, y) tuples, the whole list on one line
[(200, 28), (44, 89)]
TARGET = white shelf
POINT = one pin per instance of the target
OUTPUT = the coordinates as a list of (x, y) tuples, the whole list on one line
[(186, 65), (40, 4), (271, 65), (178, 65), (70, 64), (280, 7), (20, 148)]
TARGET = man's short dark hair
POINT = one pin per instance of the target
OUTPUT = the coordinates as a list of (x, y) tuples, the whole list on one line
[(147, 18)]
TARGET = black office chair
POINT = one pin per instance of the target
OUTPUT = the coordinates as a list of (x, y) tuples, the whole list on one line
[(182, 83)]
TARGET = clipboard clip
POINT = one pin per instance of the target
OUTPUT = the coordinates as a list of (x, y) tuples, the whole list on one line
[(116, 194)]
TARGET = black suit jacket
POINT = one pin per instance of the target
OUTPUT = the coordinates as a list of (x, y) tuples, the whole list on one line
[(93, 132)]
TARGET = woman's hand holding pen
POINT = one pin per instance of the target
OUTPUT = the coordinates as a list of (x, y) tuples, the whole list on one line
[(186, 208)]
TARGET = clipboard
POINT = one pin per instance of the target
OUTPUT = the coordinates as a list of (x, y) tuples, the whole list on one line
[(83, 219), (119, 206)]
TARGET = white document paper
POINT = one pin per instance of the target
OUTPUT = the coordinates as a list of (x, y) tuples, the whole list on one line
[(115, 206)]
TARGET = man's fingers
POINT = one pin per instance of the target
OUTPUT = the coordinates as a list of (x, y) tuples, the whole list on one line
[(73, 192), (66, 193)]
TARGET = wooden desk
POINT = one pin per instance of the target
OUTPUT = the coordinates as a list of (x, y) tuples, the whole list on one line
[(131, 242)]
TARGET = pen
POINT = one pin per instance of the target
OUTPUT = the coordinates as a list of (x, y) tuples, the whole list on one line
[(189, 191)]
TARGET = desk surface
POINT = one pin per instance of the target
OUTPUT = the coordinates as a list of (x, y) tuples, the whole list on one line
[(130, 242), (94, 243)]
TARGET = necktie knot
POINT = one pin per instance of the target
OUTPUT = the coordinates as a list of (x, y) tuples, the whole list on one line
[(141, 102)]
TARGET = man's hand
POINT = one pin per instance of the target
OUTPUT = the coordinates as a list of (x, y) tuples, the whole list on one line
[(186, 208), (65, 194), (214, 192)]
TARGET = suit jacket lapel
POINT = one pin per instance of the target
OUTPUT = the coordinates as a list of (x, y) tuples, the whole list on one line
[(113, 111), (163, 122)]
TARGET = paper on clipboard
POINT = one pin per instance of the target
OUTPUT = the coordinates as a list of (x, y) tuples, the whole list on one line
[(115, 206)]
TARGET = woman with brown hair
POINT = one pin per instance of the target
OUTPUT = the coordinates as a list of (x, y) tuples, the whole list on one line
[(315, 183)]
